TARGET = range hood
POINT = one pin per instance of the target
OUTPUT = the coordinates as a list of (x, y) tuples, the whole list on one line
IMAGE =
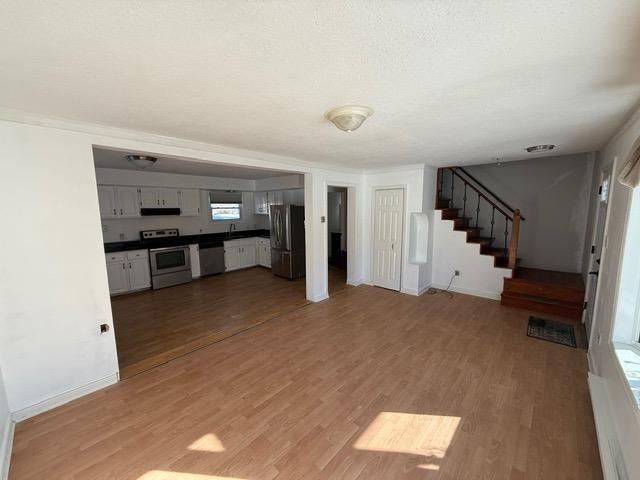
[(147, 212)]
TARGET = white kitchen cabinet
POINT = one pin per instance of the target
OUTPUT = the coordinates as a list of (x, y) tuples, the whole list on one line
[(263, 247), (231, 258), (150, 197), (139, 275), (189, 202), (117, 274), (128, 204), (170, 198), (194, 255), (248, 256), (261, 202), (158, 197), (107, 201), (239, 254), (128, 271)]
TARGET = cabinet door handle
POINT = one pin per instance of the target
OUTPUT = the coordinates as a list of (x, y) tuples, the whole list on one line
[(123, 266), (121, 212), (115, 212), (129, 264)]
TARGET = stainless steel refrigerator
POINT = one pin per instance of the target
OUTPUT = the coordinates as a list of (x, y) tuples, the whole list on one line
[(287, 241)]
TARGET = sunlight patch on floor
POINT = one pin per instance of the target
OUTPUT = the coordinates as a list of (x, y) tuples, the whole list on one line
[(428, 435), (167, 475), (208, 443)]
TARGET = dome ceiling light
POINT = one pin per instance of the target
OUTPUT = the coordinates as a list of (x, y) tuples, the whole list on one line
[(540, 148), (349, 117), (141, 161)]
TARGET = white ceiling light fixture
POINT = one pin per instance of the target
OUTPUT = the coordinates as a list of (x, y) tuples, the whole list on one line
[(141, 161), (540, 148), (349, 117)]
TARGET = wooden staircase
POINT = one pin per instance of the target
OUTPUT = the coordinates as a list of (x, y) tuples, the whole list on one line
[(556, 293)]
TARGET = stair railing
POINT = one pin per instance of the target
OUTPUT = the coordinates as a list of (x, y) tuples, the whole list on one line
[(512, 217)]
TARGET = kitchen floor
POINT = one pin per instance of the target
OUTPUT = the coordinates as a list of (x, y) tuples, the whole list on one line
[(156, 326)]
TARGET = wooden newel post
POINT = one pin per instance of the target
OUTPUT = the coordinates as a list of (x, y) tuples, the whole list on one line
[(515, 234)]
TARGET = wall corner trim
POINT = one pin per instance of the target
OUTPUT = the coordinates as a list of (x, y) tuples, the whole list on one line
[(319, 298), (62, 398), (6, 445)]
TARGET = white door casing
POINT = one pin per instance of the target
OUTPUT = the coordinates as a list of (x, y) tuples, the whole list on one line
[(387, 237), (596, 254)]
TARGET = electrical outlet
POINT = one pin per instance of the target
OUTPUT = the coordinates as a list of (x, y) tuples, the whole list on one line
[(456, 273), (122, 236)]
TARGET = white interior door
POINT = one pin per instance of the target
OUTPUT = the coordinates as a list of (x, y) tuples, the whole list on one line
[(596, 249), (387, 242)]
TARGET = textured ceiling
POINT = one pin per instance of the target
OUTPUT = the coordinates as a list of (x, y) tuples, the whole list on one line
[(104, 158), (451, 82)]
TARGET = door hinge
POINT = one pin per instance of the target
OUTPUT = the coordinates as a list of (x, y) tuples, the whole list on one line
[(584, 307), (593, 249)]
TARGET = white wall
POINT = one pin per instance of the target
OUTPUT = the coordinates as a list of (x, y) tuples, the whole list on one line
[(6, 431), (478, 276), (411, 179), (117, 229), (54, 287), (428, 207), (553, 195), (621, 408), (279, 183)]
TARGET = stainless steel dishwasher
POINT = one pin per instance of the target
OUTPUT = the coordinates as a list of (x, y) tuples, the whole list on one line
[(211, 257)]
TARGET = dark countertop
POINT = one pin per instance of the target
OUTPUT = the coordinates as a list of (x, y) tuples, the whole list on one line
[(211, 239)]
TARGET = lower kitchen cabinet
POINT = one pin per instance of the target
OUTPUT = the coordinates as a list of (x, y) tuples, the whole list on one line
[(239, 254), (128, 271)]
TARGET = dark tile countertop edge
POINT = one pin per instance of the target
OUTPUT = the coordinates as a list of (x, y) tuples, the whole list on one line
[(113, 247)]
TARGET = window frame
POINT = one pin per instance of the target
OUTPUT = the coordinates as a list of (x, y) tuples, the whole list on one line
[(226, 220)]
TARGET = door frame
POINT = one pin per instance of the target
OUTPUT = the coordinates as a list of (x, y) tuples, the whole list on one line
[(611, 169), (374, 189), (352, 194)]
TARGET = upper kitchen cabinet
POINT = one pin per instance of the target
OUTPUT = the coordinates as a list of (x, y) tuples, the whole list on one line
[(170, 197), (107, 201), (189, 202), (150, 197), (127, 202), (261, 202), (118, 202)]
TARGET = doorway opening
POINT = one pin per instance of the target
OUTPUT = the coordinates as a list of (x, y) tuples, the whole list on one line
[(196, 252), (337, 234)]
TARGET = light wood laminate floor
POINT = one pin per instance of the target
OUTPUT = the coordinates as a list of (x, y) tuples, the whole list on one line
[(369, 384), (156, 326)]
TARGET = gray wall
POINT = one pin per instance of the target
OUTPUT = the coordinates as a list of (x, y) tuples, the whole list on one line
[(553, 195)]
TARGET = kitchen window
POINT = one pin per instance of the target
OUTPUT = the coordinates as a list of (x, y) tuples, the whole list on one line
[(226, 206)]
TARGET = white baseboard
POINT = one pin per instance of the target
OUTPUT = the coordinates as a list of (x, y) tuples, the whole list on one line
[(469, 291), (354, 282), (63, 398), (6, 444), (610, 456)]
